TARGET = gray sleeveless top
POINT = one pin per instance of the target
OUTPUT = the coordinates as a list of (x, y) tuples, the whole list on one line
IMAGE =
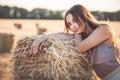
[(102, 53), (103, 59)]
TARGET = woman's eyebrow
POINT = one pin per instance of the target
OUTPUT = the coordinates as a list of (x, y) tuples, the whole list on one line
[(68, 23), (73, 19)]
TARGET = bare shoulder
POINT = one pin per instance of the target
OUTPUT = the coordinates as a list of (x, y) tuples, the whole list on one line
[(99, 35), (104, 29)]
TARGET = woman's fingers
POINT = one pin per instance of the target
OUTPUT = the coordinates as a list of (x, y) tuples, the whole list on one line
[(37, 44), (40, 46), (42, 43), (36, 50)]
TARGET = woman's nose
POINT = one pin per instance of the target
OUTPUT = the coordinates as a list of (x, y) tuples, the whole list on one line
[(73, 26)]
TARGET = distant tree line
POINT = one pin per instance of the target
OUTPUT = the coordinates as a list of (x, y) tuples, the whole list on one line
[(38, 13), (21, 13)]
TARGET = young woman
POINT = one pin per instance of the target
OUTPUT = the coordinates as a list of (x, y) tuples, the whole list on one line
[(90, 35)]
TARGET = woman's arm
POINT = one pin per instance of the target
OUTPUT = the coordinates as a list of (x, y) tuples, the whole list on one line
[(38, 42), (62, 36), (99, 35)]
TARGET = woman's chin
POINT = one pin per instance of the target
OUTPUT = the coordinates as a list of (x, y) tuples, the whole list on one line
[(78, 32)]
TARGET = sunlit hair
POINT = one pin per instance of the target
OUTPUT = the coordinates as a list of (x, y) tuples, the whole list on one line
[(83, 16), (79, 13)]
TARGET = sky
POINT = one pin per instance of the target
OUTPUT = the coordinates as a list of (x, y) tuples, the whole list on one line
[(93, 5)]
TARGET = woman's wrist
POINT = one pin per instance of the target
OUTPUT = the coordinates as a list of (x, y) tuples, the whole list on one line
[(44, 36), (76, 45), (76, 41)]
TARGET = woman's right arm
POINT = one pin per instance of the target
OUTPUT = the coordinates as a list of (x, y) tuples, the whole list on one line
[(37, 43)]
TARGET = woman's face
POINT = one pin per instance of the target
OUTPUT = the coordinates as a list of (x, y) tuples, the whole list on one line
[(74, 27)]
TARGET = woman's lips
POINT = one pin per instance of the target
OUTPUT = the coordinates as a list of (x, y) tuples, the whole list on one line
[(76, 30)]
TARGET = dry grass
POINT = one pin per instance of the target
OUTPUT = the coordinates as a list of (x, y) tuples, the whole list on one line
[(29, 28), (58, 60), (6, 67)]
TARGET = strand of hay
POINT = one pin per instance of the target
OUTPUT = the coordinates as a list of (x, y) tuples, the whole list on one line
[(58, 60)]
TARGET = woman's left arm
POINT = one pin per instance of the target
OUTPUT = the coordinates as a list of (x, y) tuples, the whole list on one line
[(99, 35)]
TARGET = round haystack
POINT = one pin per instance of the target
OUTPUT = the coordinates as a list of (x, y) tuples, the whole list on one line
[(58, 60), (6, 42), (41, 31)]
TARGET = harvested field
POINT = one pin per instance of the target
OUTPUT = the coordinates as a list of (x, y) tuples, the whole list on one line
[(29, 28)]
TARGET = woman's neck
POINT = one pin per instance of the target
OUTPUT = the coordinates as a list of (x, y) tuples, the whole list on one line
[(89, 30)]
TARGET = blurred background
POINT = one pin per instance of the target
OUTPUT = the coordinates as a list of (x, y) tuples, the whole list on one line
[(19, 18)]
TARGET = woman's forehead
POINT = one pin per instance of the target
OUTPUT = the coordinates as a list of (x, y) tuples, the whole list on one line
[(69, 17)]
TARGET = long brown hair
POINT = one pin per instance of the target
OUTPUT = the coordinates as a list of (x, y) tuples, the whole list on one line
[(79, 13)]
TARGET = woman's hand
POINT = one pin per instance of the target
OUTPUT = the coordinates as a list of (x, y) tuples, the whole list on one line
[(38, 43)]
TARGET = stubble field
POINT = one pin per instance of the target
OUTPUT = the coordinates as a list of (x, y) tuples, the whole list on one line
[(28, 27)]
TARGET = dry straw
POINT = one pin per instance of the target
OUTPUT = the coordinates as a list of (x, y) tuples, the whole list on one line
[(58, 60), (41, 31), (6, 42)]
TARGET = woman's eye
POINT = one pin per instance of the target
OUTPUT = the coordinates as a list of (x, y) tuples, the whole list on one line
[(69, 24), (73, 20)]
